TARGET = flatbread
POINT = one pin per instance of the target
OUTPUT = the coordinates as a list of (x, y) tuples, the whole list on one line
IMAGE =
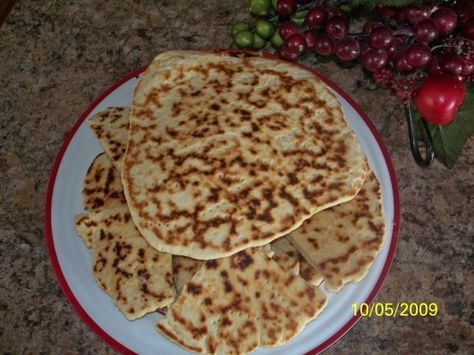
[(287, 262), (105, 125), (235, 304), (226, 153), (286, 254), (111, 128), (137, 277), (342, 242), (86, 224), (102, 185), (184, 269)]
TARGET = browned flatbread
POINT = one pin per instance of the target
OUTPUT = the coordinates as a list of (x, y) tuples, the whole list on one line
[(342, 242), (235, 304), (102, 185), (226, 153), (86, 224), (136, 276), (184, 269), (286, 254), (287, 262), (111, 128)]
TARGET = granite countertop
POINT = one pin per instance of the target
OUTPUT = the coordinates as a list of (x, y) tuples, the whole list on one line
[(56, 57)]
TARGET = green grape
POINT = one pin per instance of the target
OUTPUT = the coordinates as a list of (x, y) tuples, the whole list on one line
[(239, 26), (258, 42), (346, 7), (260, 7), (264, 28), (276, 40), (244, 39), (299, 17)]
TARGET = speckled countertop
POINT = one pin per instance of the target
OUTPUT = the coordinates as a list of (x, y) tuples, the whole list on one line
[(57, 56)]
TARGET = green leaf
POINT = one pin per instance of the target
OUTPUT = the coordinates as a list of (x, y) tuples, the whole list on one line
[(449, 140)]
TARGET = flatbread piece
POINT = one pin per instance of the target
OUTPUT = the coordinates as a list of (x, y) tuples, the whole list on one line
[(235, 304), (287, 253), (102, 185), (342, 242), (111, 128), (225, 153), (137, 277)]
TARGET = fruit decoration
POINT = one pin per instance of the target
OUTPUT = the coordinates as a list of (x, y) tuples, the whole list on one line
[(439, 98), (422, 50)]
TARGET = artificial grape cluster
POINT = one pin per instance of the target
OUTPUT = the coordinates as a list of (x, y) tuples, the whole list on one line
[(399, 46)]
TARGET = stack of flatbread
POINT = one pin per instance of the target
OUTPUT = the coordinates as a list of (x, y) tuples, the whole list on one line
[(232, 193)]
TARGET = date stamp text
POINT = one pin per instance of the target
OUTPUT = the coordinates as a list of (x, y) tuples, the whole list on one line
[(399, 309)]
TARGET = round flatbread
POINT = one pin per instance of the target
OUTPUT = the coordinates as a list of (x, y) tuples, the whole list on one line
[(235, 304), (228, 152), (341, 243)]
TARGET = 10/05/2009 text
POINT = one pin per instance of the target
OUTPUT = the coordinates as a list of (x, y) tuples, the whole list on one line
[(399, 309)]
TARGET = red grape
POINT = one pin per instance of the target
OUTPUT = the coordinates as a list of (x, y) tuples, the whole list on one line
[(425, 31), (296, 43), (381, 37), (335, 11), (452, 64), (385, 11), (401, 64), (316, 17), (411, 13), (337, 27), (427, 10), (285, 7), (288, 28), (418, 55), (310, 38), (468, 68), (468, 29), (395, 46), (415, 14), (287, 54), (446, 20), (364, 47), (347, 48), (433, 67), (401, 15), (375, 59), (370, 25), (465, 10), (324, 45)]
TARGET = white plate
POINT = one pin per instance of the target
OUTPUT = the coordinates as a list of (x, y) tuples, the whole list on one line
[(72, 260)]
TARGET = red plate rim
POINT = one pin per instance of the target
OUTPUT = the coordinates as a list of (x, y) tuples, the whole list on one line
[(122, 348)]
